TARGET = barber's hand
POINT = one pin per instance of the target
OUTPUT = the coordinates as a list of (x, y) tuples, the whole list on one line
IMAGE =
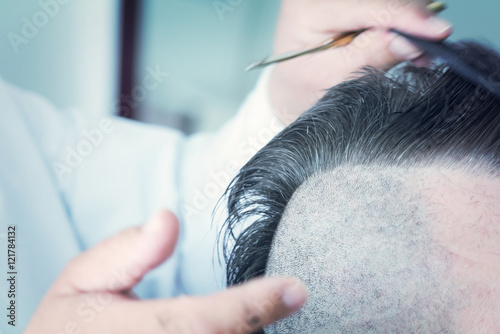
[(297, 84), (93, 294)]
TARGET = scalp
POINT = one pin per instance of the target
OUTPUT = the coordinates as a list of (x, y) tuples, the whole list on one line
[(465, 210), (368, 243)]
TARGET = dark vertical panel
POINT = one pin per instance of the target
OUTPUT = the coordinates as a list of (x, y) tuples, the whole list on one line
[(129, 28)]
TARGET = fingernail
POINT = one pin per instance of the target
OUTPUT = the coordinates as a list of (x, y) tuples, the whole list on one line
[(294, 295), (404, 49), (153, 225), (438, 25)]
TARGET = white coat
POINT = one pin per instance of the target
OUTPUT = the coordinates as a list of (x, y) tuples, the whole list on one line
[(68, 182)]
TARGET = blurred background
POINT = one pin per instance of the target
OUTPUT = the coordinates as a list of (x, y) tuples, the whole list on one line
[(172, 62)]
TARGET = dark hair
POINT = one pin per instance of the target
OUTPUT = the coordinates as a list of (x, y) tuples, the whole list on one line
[(411, 116)]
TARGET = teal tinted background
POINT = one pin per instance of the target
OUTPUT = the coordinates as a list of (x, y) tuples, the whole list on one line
[(205, 46), (71, 59), (477, 19)]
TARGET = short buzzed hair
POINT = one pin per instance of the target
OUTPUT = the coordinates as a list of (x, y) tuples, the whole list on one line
[(359, 238), (374, 129)]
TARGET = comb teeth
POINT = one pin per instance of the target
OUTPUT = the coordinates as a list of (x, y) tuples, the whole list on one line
[(453, 60)]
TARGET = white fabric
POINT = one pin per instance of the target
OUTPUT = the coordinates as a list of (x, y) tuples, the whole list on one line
[(63, 204)]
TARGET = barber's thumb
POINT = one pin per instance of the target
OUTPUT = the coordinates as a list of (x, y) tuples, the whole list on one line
[(119, 263), (403, 49), (253, 305)]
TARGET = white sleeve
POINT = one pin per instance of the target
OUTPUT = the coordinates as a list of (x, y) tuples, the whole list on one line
[(129, 173), (111, 174), (208, 168), (67, 182)]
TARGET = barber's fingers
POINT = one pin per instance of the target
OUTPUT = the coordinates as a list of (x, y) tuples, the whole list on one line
[(370, 49), (320, 19), (240, 310), (249, 307), (410, 16), (330, 67), (119, 263), (377, 48)]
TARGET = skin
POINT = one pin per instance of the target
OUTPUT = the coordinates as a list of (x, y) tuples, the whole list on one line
[(431, 247), (295, 85), (466, 209), (89, 281)]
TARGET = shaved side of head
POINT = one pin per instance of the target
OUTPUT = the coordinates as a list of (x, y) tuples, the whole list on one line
[(366, 242)]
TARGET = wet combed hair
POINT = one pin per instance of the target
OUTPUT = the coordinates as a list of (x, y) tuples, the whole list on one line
[(411, 117)]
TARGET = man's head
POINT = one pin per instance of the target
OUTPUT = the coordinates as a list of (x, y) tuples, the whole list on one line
[(384, 199)]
